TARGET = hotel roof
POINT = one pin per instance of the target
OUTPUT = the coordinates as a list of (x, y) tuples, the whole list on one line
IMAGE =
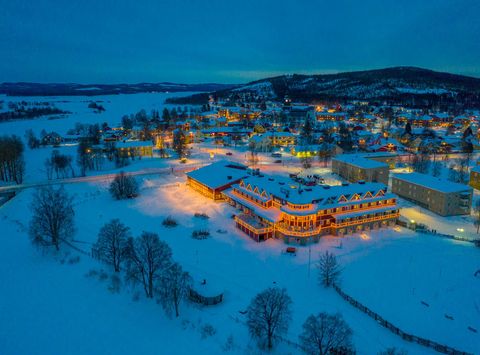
[(286, 189), (219, 174)]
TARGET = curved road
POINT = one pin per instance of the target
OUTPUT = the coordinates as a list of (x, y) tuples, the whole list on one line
[(104, 177)]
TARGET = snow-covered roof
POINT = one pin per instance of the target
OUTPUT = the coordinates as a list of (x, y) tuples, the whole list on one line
[(288, 190), (226, 130), (219, 174), (476, 169), (359, 161), (433, 183), (134, 144)]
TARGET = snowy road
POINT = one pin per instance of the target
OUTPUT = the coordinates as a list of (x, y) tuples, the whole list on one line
[(97, 178)]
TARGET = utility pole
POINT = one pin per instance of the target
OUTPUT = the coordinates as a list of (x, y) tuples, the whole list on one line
[(309, 258)]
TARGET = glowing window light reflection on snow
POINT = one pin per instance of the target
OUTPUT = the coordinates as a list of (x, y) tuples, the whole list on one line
[(364, 236)]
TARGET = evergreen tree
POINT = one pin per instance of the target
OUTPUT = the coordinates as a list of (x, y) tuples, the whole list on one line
[(179, 144)]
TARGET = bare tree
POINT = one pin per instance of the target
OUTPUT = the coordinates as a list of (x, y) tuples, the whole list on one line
[(268, 315), (326, 334), (12, 164), (148, 259), (53, 217), (393, 351), (476, 215), (60, 164), (306, 160), (252, 148), (329, 269), (123, 186), (173, 288), (112, 243), (437, 168)]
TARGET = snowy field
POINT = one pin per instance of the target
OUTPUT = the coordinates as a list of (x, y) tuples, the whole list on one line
[(391, 272), (116, 106)]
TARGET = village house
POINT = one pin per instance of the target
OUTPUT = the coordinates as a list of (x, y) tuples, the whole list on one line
[(441, 196), (475, 177), (330, 116), (135, 148), (266, 141)]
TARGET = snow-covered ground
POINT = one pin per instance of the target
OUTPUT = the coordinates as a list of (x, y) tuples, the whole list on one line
[(391, 272), (49, 306), (116, 106)]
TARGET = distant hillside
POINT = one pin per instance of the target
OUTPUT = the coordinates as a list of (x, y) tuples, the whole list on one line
[(36, 89), (398, 85)]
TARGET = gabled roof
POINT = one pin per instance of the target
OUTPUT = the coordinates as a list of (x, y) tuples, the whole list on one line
[(218, 174)]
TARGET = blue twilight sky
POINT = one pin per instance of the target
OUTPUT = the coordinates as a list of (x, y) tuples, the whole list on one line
[(112, 41)]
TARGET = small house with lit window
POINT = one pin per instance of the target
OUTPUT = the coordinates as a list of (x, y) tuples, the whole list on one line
[(135, 148)]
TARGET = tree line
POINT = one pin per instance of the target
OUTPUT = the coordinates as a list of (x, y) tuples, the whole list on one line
[(12, 164)]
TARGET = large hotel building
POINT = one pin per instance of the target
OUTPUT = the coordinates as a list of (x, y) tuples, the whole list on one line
[(276, 206)]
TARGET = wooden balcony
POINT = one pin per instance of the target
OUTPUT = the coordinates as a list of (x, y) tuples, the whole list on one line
[(298, 233), (243, 222), (366, 220)]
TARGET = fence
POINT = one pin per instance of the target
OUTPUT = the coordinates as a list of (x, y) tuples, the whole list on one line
[(425, 230), (444, 349), (276, 337)]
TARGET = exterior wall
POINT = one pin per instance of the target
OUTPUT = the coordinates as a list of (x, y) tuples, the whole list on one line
[(444, 204), (389, 160), (302, 229), (354, 173), (475, 180), (203, 189), (214, 194), (136, 151)]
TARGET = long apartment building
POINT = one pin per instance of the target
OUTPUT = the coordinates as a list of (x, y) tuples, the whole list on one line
[(355, 167), (441, 196), (274, 206)]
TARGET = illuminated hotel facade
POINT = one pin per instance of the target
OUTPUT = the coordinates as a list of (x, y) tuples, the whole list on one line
[(278, 207)]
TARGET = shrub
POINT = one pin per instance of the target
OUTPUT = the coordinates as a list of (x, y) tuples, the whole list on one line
[(201, 215), (207, 331), (200, 234), (74, 260), (229, 344), (102, 276), (124, 186), (136, 296), (92, 273), (115, 284), (169, 222)]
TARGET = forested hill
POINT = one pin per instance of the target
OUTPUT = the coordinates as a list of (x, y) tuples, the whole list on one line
[(398, 85), (68, 89)]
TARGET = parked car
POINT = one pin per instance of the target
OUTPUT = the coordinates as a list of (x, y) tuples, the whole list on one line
[(291, 250), (229, 153)]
